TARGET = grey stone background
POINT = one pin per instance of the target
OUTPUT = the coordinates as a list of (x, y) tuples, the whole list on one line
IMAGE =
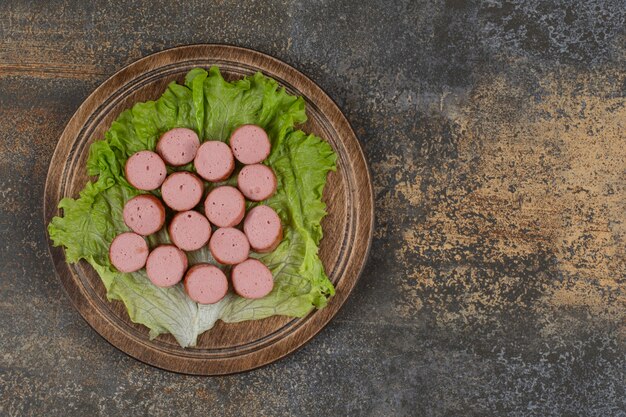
[(495, 133)]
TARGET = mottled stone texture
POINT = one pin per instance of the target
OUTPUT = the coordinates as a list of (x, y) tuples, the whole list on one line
[(496, 136)]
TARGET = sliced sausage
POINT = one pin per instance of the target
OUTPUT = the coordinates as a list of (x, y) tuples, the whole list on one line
[(189, 230), (225, 206), (250, 144), (166, 265), (257, 182), (229, 246), (205, 284), (252, 279), (178, 146), (145, 170), (214, 161), (144, 214), (182, 191), (128, 252), (263, 229)]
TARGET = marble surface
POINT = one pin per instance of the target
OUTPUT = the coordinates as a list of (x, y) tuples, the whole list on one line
[(495, 134)]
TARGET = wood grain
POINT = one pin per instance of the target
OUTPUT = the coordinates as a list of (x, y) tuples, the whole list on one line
[(227, 348)]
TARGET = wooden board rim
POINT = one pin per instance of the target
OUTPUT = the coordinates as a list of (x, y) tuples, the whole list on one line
[(316, 320)]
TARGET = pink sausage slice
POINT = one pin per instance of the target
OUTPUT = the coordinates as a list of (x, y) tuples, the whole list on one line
[(128, 252), (225, 206), (229, 246), (182, 191), (145, 170), (250, 144), (252, 279), (257, 182), (190, 230), (178, 146), (166, 265), (263, 229), (205, 284), (144, 214), (214, 161)]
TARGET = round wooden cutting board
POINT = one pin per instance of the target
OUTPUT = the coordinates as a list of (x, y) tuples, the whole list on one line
[(226, 348)]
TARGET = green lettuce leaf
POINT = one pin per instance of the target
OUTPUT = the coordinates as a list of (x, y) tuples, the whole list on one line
[(213, 107)]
